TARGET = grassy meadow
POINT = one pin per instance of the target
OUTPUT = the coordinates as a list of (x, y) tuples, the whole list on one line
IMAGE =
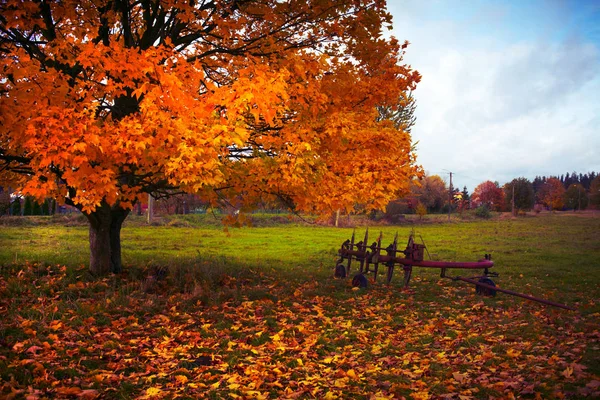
[(255, 313)]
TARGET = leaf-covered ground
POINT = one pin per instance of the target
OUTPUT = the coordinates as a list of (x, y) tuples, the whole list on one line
[(250, 335)]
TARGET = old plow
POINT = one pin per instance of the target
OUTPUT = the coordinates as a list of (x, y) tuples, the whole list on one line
[(371, 257)]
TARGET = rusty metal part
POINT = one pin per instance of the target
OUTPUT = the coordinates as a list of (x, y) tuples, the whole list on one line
[(413, 257), (517, 294)]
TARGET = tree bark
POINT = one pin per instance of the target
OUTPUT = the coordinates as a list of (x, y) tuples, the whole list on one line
[(105, 238), (118, 216)]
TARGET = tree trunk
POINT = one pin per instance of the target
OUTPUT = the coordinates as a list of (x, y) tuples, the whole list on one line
[(118, 216), (105, 238)]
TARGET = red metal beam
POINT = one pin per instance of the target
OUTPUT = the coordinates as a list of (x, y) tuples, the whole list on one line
[(525, 296)]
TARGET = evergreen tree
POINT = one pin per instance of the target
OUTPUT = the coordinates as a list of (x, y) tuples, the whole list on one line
[(46, 207), (537, 184), (595, 193), (465, 194), (28, 207), (568, 180), (574, 178), (36, 209), (576, 197), (524, 195), (16, 207), (585, 181)]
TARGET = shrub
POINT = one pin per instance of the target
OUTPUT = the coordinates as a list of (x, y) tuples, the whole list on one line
[(483, 212)]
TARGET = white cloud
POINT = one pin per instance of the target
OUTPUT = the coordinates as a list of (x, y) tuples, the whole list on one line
[(498, 102)]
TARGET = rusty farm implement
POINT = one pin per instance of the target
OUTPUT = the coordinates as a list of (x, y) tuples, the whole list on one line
[(371, 258)]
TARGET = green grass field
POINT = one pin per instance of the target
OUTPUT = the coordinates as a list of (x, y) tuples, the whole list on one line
[(255, 313)]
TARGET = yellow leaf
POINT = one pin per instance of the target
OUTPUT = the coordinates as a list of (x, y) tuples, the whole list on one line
[(513, 353), (153, 391)]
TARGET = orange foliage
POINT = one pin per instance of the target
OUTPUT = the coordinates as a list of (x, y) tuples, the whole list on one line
[(101, 102), (552, 194), (489, 194)]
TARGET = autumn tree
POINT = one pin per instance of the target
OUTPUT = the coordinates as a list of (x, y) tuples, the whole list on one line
[(524, 197), (552, 194), (489, 193), (239, 101), (431, 192)]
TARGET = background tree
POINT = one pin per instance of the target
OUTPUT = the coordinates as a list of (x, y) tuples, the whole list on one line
[(489, 194), (179, 204), (4, 201), (431, 192), (465, 194), (36, 208), (28, 206), (594, 195), (537, 184), (552, 194), (524, 195), (576, 198), (15, 206), (102, 102), (421, 210), (402, 114)]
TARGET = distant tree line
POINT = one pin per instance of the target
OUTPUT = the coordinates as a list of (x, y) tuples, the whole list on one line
[(567, 180), (571, 191), (430, 195), (19, 205)]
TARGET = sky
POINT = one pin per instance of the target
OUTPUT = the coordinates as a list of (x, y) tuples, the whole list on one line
[(509, 89)]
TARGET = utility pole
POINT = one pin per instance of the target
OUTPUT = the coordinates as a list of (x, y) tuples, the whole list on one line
[(513, 199), (150, 208), (450, 197)]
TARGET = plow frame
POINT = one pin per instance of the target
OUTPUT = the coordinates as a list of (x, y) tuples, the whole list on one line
[(370, 257)]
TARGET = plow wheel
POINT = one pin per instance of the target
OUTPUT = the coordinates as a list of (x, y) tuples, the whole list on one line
[(484, 291), (340, 271), (360, 281)]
